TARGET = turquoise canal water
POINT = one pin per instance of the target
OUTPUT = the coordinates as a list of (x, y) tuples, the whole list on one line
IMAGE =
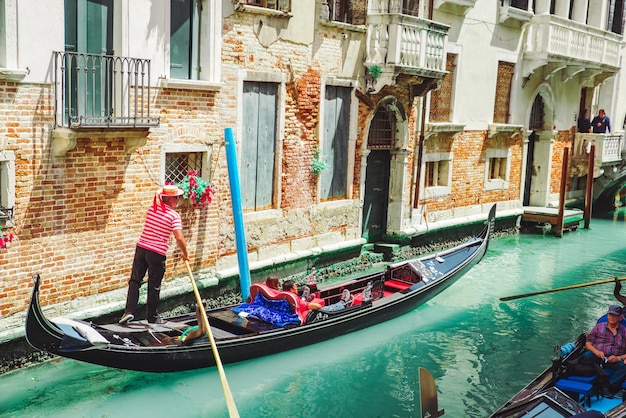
[(479, 349)]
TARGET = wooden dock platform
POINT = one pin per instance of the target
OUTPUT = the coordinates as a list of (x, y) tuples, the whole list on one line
[(545, 218)]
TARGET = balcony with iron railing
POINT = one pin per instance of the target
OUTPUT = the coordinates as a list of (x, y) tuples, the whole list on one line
[(101, 91), (562, 44), (398, 43)]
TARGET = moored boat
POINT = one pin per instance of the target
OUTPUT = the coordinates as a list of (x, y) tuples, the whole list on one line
[(239, 332)]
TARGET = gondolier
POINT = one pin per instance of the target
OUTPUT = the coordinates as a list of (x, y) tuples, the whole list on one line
[(151, 252)]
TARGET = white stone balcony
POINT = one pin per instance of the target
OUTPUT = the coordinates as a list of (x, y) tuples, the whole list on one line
[(562, 44), (401, 44), (608, 151)]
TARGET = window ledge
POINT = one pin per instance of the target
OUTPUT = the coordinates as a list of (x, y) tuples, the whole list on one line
[(463, 5), (64, 139), (12, 74), (504, 128), (450, 129), (262, 11), (342, 25), (514, 13), (496, 184), (190, 84), (437, 191)]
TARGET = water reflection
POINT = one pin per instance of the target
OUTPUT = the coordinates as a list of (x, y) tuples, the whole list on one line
[(479, 349)]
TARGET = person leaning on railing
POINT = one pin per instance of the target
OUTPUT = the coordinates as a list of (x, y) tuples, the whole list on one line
[(601, 124)]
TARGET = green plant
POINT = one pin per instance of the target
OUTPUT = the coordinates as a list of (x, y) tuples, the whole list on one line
[(198, 190), (374, 71), (317, 164)]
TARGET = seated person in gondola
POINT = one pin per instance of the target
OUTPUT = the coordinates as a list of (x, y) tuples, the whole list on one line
[(290, 286), (346, 301), (271, 282), (606, 346)]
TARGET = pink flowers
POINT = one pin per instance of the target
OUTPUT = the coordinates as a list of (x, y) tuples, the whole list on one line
[(196, 189), (5, 239)]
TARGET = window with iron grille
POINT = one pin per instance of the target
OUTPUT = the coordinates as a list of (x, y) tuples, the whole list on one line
[(382, 134), (179, 164), (537, 114)]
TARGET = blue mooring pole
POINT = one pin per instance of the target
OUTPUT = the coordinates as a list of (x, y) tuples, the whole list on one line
[(235, 192)]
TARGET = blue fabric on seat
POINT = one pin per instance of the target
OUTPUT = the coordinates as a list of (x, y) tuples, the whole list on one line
[(277, 312)]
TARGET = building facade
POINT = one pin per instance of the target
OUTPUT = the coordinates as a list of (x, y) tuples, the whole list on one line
[(355, 121)]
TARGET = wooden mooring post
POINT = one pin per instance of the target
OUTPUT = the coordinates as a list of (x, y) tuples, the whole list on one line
[(561, 215), (589, 189)]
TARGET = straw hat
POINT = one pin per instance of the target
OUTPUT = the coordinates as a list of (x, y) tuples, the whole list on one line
[(169, 190)]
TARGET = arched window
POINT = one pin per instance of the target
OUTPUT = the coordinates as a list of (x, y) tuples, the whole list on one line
[(537, 114), (382, 133)]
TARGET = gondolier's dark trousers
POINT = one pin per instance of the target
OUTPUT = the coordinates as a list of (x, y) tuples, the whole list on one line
[(154, 264)]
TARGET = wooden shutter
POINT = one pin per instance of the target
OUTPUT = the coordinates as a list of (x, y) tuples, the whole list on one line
[(258, 149), (334, 144)]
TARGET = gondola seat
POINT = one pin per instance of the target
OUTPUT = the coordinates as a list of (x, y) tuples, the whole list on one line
[(574, 386), (300, 308), (396, 285)]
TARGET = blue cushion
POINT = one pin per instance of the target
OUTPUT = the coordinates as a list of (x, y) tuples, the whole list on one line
[(584, 379), (574, 386)]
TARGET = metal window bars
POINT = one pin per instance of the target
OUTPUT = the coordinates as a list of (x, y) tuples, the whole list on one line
[(98, 91), (179, 164)]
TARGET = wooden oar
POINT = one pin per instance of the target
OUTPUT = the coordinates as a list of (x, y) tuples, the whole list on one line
[(230, 402), (558, 289)]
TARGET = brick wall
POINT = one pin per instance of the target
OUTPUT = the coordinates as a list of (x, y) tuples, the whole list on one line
[(503, 92), (468, 175), (563, 140), (441, 99), (78, 217)]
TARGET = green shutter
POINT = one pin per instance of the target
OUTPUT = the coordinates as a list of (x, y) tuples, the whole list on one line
[(181, 38), (89, 29)]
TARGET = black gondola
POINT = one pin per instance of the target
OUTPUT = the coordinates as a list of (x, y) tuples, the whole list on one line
[(377, 297)]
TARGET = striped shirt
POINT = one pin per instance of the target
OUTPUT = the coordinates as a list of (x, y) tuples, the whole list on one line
[(157, 230), (604, 340)]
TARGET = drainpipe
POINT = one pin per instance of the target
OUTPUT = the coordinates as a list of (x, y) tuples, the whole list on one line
[(420, 151)]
